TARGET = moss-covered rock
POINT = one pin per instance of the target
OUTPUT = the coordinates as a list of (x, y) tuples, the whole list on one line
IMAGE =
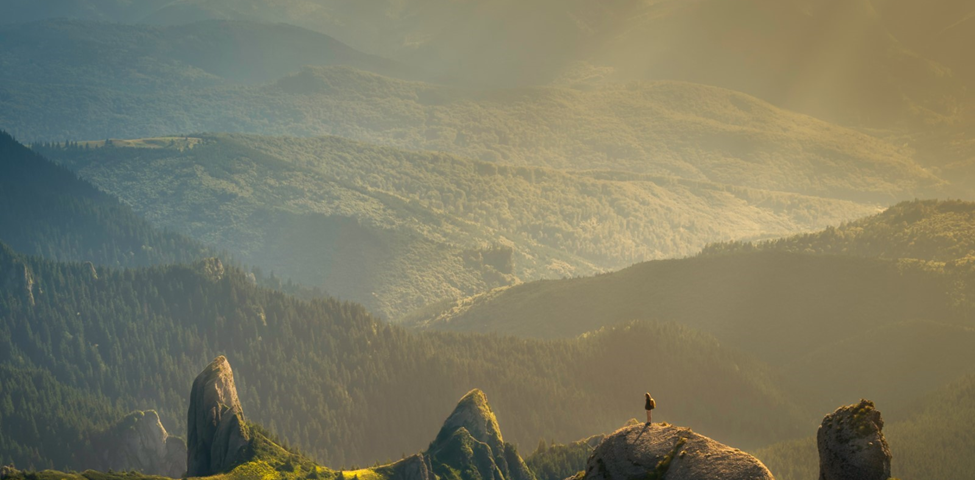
[(852, 444), (470, 445)]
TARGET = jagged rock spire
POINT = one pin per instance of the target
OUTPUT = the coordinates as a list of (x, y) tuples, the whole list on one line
[(216, 438), (852, 444), (470, 441)]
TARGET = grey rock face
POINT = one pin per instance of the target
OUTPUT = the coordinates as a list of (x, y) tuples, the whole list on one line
[(211, 268), (140, 442), (217, 440), (852, 444), (667, 452)]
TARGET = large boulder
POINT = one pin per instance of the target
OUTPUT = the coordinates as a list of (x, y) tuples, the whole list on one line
[(852, 444), (660, 451), (216, 437), (470, 442), (140, 442)]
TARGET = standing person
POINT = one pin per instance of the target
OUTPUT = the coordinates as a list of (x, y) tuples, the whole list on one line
[(650, 405)]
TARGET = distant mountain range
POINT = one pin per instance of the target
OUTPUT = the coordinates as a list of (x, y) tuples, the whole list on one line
[(115, 81), (858, 62)]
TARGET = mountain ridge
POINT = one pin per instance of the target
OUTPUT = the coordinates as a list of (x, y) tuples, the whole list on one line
[(474, 224)]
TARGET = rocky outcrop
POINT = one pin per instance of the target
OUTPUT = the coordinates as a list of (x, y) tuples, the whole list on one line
[(470, 442), (16, 275), (91, 270), (140, 442), (210, 268), (416, 467), (7, 471), (216, 437), (661, 451), (852, 444)]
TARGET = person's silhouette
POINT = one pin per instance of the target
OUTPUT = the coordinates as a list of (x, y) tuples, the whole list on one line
[(650, 405)]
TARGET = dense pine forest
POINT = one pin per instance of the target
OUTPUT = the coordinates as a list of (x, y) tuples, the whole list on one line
[(48, 211), (923, 441), (761, 212), (345, 387), (932, 230)]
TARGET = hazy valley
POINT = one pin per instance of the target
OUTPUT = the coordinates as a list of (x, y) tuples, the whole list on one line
[(383, 213)]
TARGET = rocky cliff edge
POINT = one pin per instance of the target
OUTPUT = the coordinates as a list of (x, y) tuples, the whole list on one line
[(666, 452)]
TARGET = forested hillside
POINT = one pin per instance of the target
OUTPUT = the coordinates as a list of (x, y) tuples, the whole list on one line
[(341, 385), (47, 210), (396, 230), (926, 441), (812, 316), (812, 305), (45, 423), (559, 204), (939, 231)]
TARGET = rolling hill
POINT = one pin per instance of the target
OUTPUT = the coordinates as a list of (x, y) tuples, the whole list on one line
[(859, 62), (396, 230), (933, 230), (145, 59), (101, 81), (812, 315)]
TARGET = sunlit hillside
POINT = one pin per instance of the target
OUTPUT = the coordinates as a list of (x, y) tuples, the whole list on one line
[(397, 230), (179, 80), (665, 237)]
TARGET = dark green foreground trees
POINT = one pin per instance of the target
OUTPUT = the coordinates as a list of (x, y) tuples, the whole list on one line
[(339, 384)]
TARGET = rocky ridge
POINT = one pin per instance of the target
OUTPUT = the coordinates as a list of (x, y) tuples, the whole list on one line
[(217, 438), (470, 442), (660, 451)]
